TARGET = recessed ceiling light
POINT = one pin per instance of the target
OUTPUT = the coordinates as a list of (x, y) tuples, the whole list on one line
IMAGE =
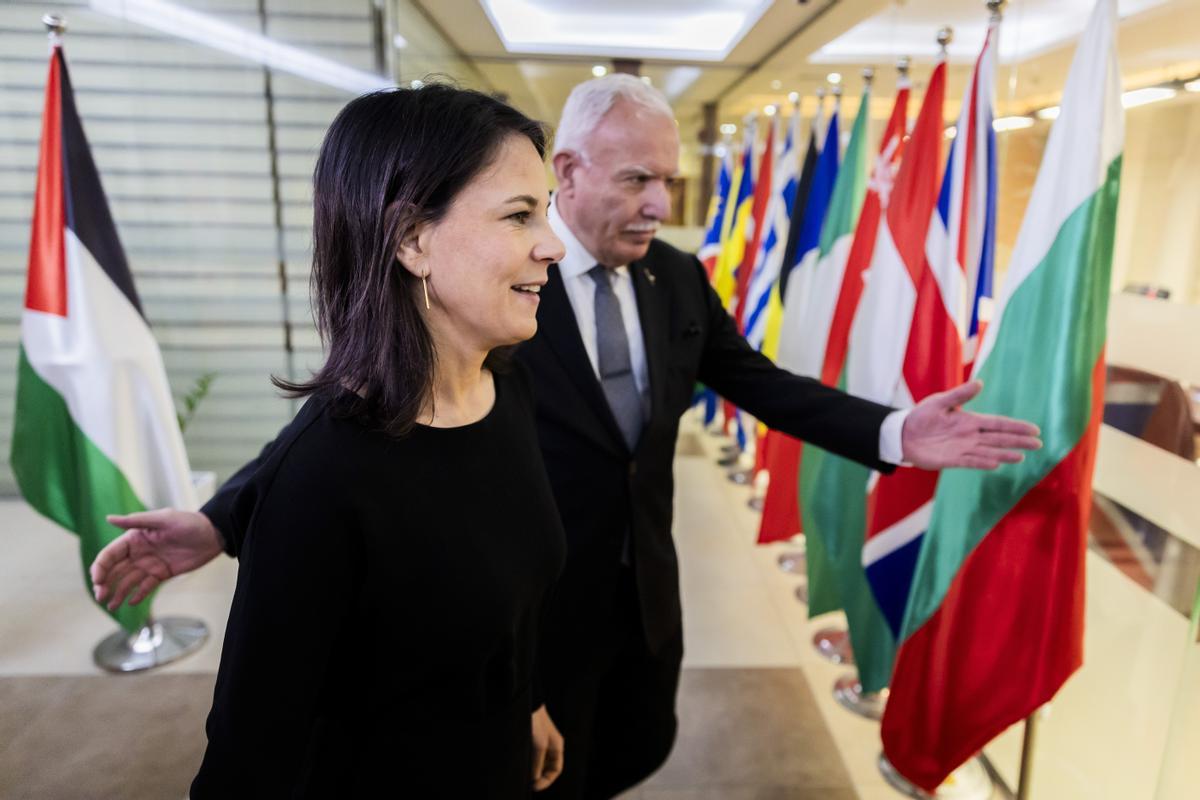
[(1050, 112), (599, 71), (769, 110), (1193, 86), (834, 77), (794, 97), (1012, 123), (1140, 97), (729, 129), (951, 132), (399, 42), (776, 85)]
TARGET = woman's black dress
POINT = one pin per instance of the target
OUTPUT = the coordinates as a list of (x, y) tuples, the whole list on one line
[(382, 636)]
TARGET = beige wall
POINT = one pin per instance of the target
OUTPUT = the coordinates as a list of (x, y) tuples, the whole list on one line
[(1158, 221), (427, 52), (1158, 224)]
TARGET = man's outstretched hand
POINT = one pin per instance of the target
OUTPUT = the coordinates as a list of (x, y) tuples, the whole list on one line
[(938, 434), (156, 545)]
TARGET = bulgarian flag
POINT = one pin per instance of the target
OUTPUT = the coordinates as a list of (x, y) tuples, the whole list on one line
[(994, 621), (95, 430)]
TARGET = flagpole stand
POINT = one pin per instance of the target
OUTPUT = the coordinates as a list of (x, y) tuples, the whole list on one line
[(802, 593), (742, 477), (762, 481), (971, 781), (847, 690), (834, 645), (159, 642), (794, 562), (730, 459)]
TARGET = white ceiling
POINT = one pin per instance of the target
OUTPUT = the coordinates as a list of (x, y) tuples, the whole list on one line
[(1032, 27), (786, 46)]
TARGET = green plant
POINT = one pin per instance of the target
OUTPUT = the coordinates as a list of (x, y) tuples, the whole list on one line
[(192, 399)]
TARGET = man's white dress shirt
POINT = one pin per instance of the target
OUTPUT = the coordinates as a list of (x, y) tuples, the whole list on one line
[(581, 292)]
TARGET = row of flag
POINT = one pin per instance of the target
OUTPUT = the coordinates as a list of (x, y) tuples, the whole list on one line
[(963, 590)]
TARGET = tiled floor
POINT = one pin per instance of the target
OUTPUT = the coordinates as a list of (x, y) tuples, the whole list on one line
[(757, 717)]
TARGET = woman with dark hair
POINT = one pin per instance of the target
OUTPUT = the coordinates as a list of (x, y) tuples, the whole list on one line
[(366, 653)]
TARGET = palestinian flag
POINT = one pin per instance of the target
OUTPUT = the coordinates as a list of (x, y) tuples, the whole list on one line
[(994, 621), (95, 430)]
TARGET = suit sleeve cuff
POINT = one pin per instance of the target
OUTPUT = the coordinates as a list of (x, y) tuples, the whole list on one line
[(221, 521), (891, 444)]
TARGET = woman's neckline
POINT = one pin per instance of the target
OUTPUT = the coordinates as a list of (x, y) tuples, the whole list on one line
[(468, 425)]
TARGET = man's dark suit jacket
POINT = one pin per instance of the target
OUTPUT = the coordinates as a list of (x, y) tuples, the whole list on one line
[(605, 492)]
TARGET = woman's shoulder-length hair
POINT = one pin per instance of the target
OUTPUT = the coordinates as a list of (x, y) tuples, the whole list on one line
[(391, 160)]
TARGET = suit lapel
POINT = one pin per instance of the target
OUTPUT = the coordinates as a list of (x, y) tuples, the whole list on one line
[(653, 316), (557, 324)]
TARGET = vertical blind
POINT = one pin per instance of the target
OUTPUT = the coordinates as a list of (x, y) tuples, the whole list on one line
[(180, 135)]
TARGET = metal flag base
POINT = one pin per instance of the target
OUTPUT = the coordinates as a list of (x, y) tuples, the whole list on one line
[(742, 477), (160, 642), (834, 645), (971, 781), (848, 691), (794, 561), (802, 593)]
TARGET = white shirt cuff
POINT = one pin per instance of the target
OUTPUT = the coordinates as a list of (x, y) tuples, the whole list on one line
[(891, 444)]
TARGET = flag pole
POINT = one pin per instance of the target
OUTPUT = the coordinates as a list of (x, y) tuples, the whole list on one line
[(56, 26), (1027, 745), (159, 641), (1029, 739)]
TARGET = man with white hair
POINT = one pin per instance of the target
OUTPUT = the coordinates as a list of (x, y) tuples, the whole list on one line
[(627, 324)]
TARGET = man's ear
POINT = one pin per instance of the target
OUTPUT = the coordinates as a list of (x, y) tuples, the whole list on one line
[(566, 162), (413, 251)]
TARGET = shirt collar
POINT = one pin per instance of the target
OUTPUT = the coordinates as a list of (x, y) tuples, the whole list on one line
[(576, 259)]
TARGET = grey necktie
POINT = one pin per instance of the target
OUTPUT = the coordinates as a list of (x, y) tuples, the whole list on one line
[(616, 366)]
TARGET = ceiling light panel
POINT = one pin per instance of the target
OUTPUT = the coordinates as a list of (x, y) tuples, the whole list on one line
[(704, 31)]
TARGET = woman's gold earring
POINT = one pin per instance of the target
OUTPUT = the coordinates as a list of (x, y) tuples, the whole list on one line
[(425, 289)]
